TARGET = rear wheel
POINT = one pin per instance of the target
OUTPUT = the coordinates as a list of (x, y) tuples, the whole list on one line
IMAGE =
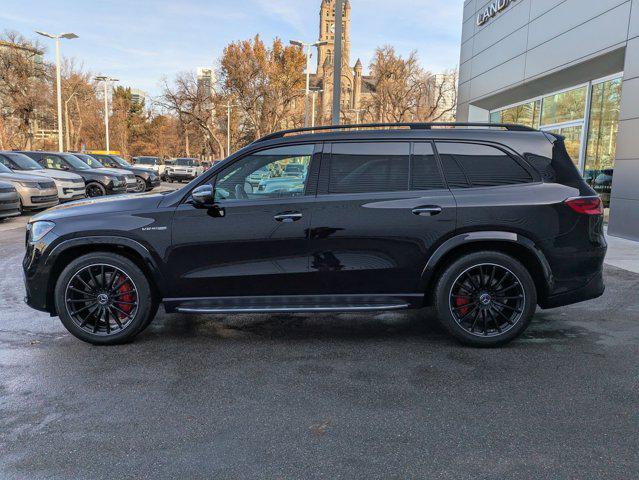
[(485, 299), (104, 299)]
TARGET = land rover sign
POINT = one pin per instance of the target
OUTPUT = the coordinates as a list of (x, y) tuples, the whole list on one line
[(491, 10)]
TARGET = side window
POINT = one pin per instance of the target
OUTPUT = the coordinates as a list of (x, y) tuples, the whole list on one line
[(275, 173), (369, 167), (482, 165), (51, 161), (425, 174)]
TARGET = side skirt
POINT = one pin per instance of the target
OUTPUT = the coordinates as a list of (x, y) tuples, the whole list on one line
[(294, 303)]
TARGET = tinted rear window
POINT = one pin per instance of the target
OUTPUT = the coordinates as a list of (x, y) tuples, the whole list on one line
[(369, 167), (425, 174), (483, 166)]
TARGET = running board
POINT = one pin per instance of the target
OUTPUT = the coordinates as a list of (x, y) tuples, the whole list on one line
[(293, 304)]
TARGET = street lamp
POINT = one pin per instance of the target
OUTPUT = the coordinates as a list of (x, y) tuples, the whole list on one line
[(106, 81), (68, 36), (308, 47), (314, 91)]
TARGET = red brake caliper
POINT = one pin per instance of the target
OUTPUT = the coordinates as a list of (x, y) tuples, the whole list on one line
[(459, 302), (126, 295)]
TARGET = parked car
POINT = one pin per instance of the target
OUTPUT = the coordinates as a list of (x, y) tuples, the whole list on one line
[(36, 193), (482, 224), (70, 186), (9, 201), (285, 185), (98, 183), (131, 182), (167, 163), (145, 178), (183, 169), (152, 163), (294, 170)]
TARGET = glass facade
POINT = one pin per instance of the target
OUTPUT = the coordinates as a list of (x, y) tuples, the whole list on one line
[(592, 108)]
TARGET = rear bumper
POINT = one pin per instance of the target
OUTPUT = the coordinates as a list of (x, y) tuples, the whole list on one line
[(593, 289)]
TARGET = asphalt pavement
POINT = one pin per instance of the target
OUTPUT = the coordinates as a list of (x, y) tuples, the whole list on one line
[(319, 396)]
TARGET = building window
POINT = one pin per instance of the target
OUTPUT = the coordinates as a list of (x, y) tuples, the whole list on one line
[(564, 107), (525, 114), (603, 126)]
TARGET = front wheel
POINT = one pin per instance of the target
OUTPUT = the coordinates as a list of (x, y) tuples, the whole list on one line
[(485, 299), (104, 299), (140, 185), (95, 190)]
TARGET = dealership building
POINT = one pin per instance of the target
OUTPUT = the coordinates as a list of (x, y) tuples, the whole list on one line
[(564, 66)]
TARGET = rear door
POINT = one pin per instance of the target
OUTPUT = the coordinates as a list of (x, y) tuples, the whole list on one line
[(380, 210)]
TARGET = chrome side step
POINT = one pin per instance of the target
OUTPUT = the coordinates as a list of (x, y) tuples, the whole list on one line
[(297, 309)]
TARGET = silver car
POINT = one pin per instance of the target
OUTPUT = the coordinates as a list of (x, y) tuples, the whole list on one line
[(35, 192), (70, 186), (9, 201)]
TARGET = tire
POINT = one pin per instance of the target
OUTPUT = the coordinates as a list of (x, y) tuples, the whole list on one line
[(94, 190), (485, 299), (140, 185), (120, 292)]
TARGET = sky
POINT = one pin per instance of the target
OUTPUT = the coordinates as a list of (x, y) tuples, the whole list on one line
[(143, 41)]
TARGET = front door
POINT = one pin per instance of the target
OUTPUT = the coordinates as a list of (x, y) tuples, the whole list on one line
[(381, 209), (256, 241)]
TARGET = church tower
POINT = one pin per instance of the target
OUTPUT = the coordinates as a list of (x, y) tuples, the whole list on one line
[(327, 34)]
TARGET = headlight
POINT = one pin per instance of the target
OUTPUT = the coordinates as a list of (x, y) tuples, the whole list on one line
[(40, 229), (29, 184)]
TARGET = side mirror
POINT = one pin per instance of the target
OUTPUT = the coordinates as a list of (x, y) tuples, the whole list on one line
[(203, 196)]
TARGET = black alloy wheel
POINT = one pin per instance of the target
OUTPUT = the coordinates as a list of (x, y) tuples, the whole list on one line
[(101, 299), (485, 299), (140, 185), (95, 190), (104, 298)]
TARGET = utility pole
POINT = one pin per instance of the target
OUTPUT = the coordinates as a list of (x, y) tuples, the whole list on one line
[(68, 36), (106, 81), (315, 91), (308, 47), (337, 79)]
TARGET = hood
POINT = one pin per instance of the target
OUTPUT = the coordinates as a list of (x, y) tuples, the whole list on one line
[(101, 205), (22, 177), (54, 174), (113, 171), (148, 168)]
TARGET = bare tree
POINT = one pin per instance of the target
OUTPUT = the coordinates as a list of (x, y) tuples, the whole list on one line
[(23, 88)]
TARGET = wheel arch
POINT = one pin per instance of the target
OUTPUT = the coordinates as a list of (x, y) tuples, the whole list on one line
[(515, 245), (68, 250)]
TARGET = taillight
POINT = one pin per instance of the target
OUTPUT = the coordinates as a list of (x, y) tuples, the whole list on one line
[(586, 205)]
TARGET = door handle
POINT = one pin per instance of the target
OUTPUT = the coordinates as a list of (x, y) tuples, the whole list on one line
[(427, 211), (288, 217)]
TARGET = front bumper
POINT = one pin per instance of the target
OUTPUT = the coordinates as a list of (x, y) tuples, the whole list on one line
[(155, 182), (9, 205), (180, 176), (70, 192), (33, 198)]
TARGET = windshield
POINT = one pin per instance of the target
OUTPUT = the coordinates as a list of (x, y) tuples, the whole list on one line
[(147, 160), (120, 161), (19, 161), (185, 162), (4, 169), (75, 162), (89, 160)]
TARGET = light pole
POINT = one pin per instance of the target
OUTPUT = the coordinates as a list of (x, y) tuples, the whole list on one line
[(315, 91), (357, 111), (337, 70), (66, 119), (229, 106), (106, 81), (308, 47), (68, 36)]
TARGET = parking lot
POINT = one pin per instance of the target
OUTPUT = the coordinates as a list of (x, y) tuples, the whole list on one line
[(319, 396)]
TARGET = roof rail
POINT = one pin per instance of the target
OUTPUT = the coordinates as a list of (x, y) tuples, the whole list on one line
[(412, 126)]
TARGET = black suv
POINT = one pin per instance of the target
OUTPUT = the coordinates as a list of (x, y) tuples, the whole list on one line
[(145, 178), (98, 182), (483, 224)]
